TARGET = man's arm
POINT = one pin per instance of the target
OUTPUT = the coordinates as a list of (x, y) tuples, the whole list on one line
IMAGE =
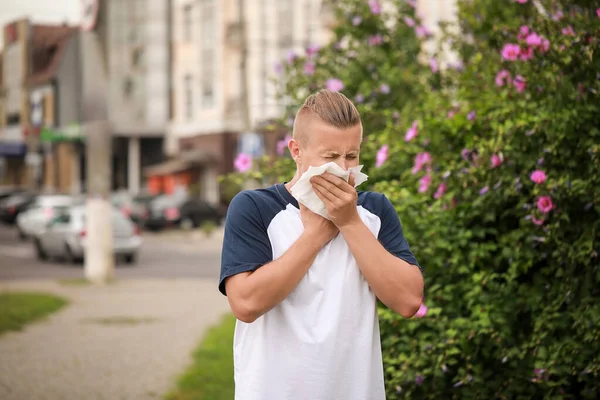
[(253, 282), (252, 294), (398, 284)]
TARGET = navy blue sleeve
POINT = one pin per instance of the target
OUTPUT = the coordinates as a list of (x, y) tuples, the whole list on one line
[(390, 233), (246, 245)]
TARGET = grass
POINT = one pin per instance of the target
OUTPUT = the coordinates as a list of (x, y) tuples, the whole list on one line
[(17, 309), (210, 376)]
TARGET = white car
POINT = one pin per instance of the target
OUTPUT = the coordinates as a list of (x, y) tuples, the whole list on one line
[(65, 237), (32, 221)]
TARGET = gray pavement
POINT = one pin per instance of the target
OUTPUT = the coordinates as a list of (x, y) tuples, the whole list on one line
[(127, 340)]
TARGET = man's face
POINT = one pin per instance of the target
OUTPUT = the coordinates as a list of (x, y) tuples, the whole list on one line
[(323, 143)]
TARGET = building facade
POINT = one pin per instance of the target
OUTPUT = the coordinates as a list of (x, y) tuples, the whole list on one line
[(137, 35), (210, 121), (14, 111)]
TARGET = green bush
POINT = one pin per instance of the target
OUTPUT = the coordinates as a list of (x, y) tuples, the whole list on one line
[(493, 166)]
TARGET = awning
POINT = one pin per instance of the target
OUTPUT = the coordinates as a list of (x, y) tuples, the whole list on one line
[(184, 161), (13, 149)]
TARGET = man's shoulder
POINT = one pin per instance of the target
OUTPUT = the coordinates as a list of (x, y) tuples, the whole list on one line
[(375, 202), (264, 202)]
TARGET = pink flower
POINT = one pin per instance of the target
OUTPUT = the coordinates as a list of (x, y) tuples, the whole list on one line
[(536, 221), (511, 51), (520, 83), (502, 76), (441, 190), (433, 65), (538, 176), (243, 162), (422, 311), (533, 39), (424, 183), (544, 204), (558, 15), (384, 88), (409, 21), (523, 32), (356, 20), (526, 54), (521, 1), (484, 190), (568, 31), (598, 12), (312, 50), (420, 160), (334, 84), (412, 132), (545, 45), (278, 68), (422, 31), (291, 56), (471, 116), (282, 144), (309, 68), (495, 160), (382, 155), (375, 40), (375, 7)]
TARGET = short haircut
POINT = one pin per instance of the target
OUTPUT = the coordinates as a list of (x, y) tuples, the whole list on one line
[(333, 108)]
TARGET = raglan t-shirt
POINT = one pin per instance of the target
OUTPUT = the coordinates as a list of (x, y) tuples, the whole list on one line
[(322, 342)]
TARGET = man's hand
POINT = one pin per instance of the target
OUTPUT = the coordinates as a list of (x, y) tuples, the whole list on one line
[(339, 197), (317, 227)]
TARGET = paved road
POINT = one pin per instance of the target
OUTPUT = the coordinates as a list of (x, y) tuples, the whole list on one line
[(164, 255)]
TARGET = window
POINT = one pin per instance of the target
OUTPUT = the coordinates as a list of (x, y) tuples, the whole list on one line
[(208, 53), (285, 19), (187, 22), (188, 87)]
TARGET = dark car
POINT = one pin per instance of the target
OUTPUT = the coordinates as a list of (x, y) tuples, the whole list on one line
[(13, 205), (181, 211), (7, 191)]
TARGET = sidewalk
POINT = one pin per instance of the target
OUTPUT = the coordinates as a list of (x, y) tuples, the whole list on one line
[(127, 340)]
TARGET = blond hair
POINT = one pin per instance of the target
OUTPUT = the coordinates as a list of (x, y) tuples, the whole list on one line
[(333, 108)]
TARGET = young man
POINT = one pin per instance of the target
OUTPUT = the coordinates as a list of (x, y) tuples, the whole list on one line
[(304, 288)]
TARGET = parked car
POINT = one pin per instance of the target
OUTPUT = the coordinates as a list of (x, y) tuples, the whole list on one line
[(182, 211), (65, 236), (135, 207), (32, 220), (7, 191), (13, 205)]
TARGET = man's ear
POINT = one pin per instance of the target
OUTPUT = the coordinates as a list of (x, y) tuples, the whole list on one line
[(294, 147)]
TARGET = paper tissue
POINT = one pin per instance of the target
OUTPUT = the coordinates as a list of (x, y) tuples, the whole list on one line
[(304, 193)]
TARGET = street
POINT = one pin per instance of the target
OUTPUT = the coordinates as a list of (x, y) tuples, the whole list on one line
[(163, 255)]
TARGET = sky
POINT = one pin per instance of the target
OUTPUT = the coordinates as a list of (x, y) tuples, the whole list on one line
[(40, 11)]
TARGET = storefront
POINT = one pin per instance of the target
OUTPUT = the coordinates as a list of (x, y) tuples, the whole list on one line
[(12, 160), (63, 159)]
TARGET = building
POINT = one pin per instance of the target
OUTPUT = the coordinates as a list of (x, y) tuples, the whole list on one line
[(137, 37), (15, 109), (210, 122)]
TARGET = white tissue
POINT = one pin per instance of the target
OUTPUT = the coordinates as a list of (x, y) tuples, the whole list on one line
[(303, 190)]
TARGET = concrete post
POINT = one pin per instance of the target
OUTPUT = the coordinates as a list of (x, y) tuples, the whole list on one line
[(99, 258), (133, 166)]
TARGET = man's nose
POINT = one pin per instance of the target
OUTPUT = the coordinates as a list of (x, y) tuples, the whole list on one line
[(342, 162)]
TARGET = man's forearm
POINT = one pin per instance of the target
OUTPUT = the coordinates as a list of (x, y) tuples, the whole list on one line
[(269, 285), (396, 283)]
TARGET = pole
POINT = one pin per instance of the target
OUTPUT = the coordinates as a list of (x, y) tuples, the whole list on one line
[(99, 259), (244, 66)]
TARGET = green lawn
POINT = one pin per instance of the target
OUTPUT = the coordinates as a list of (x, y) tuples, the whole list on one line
[(210, 377), (19, 308)]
